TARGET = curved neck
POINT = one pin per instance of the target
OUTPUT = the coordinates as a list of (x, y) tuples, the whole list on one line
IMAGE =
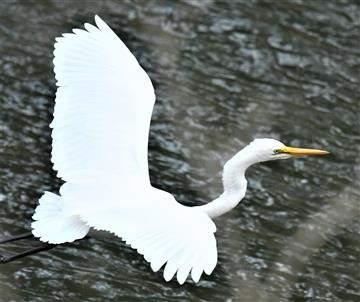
[(234, 183)]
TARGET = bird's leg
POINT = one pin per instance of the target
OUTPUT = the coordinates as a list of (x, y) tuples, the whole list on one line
[(8, 259), (29, 235), (46, 247), (17, 237)]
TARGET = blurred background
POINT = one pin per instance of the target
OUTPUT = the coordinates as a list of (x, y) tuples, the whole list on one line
[(224, 72)]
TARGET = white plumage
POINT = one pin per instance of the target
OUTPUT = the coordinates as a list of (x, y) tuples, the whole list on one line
[(100, 134)]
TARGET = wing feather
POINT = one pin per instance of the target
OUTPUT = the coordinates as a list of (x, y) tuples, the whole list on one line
[(103, 106), (152, 222), (178, 237), (100, 132)]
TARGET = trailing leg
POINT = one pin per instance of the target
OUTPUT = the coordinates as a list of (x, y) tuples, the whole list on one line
[(7, 259), (17, 237)]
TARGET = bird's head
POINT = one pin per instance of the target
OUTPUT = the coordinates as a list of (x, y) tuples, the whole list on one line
[(266, 149)]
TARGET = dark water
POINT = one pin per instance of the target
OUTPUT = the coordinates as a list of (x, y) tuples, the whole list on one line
[(224, 73)]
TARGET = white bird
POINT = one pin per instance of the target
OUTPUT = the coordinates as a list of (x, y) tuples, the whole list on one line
[(100, 129)]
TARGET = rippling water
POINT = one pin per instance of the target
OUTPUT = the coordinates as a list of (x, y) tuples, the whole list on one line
[(224, 73)]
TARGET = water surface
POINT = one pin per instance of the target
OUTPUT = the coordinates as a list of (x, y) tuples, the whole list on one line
[(224, 73)]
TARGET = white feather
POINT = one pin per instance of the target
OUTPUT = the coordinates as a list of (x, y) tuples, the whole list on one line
[(100, 133), (53, 225)]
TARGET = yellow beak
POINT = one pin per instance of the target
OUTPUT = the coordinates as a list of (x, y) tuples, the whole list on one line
[(301, 151)]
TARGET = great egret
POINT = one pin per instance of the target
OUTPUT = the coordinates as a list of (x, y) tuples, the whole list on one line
[(100, 133)]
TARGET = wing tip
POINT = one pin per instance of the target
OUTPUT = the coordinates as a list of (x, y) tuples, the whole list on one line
[(101, 24), (97, 18)]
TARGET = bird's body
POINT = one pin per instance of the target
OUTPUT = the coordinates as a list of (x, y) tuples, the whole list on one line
[(100, 132)]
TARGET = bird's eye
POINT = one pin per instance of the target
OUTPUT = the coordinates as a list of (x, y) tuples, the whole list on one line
[(276, 151)]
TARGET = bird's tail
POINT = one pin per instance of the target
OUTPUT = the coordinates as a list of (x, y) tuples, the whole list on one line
[(53, 225)]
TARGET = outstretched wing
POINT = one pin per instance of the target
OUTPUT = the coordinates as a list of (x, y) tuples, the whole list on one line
[(103, 107), (150, 221), (101, 122)]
